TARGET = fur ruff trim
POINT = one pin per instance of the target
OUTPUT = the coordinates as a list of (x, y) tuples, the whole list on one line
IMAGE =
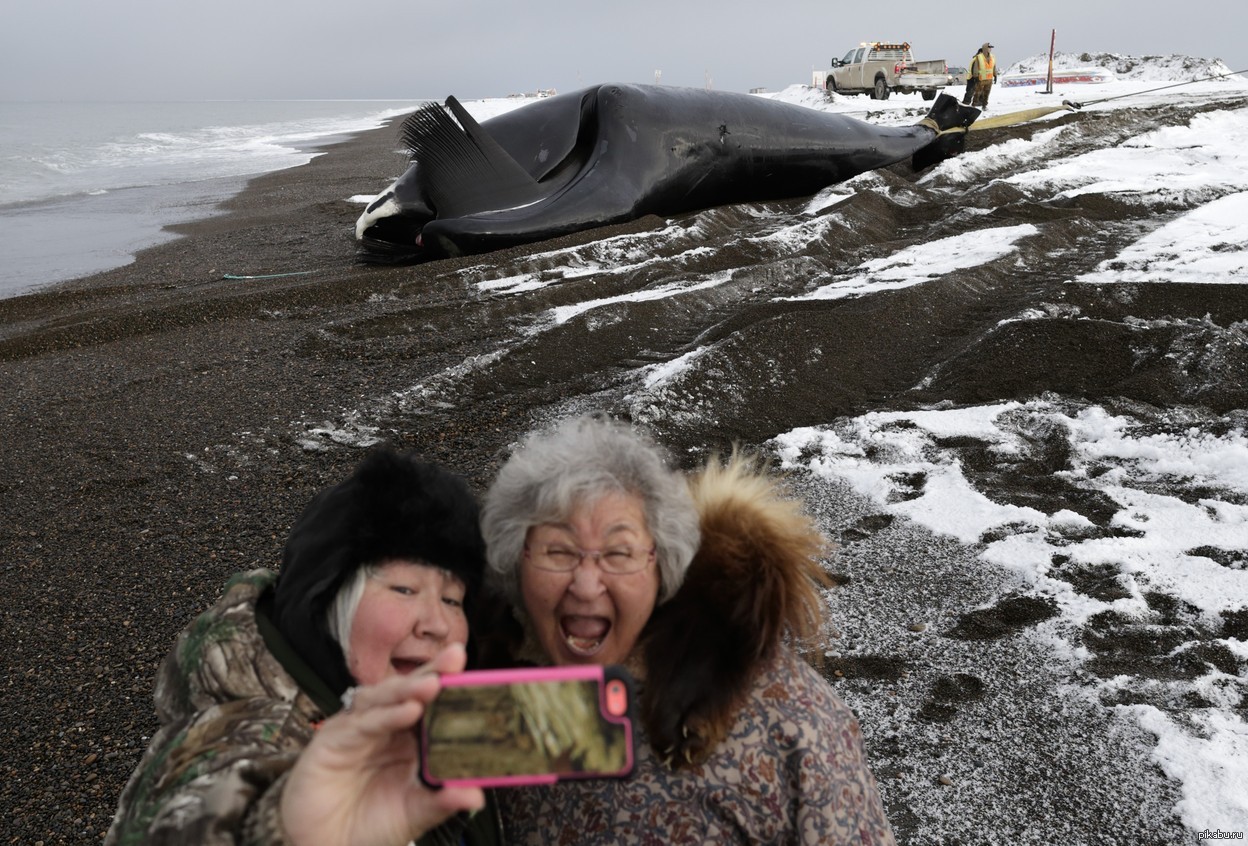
[(755, 579)]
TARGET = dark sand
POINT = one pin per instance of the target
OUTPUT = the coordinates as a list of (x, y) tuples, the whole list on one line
[(157, 419)]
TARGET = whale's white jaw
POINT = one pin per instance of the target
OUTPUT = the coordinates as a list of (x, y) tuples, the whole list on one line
[(382, 207)]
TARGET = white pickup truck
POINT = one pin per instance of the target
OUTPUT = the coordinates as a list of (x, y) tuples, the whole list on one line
[(879, 68)]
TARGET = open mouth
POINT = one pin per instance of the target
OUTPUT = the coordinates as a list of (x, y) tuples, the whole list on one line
[(403, 666), (584, 636)]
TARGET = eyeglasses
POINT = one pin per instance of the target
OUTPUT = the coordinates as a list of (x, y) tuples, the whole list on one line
[(618, 561)]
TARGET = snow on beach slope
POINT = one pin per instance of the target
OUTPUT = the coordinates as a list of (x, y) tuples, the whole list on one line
[(1191, 548), (1208, 159), (1106, 537)]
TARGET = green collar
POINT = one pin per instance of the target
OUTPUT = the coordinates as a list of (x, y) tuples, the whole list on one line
[(307, 679)]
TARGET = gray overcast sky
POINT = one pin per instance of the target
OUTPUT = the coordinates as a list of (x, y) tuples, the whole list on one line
[(414, 49)]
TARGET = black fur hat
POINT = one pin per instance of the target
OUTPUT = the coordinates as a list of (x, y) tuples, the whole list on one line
[(392, 506)]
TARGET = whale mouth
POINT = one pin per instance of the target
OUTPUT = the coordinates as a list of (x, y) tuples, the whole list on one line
[(389, 230), (393, 240)]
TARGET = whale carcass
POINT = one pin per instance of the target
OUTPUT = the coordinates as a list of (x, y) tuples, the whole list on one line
[(616, 152)]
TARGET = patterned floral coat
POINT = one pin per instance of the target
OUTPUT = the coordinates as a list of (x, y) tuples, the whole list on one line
[(740, 740), (233, 719), (792, 770)]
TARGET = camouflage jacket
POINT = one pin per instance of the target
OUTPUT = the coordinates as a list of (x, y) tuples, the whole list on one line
[(233, 719)]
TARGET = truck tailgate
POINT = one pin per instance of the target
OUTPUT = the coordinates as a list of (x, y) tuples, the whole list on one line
[(922, 80)]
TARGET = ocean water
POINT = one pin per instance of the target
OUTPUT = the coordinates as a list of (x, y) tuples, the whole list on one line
[(85, 185)]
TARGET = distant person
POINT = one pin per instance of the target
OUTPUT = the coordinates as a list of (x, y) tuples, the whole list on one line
[(286, 709), (983, 72), (970, 81)]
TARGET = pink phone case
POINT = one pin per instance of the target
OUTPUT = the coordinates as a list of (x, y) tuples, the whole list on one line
[(615, 706)]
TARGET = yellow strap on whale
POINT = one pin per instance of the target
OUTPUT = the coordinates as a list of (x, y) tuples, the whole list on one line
[(998, 121)]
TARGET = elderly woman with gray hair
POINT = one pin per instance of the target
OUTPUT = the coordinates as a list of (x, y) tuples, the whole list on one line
[(700, 587)]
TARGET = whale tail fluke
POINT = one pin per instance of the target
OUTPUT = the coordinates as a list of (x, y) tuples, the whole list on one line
[(950, 119)]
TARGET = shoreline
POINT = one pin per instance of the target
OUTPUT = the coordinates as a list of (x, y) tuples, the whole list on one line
[(108, 228), (102, 241)]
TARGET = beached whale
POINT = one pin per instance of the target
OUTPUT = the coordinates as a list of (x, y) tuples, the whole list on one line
[(613, 153)]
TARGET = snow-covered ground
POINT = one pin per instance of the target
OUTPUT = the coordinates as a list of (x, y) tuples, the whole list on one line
[(1193, 547)]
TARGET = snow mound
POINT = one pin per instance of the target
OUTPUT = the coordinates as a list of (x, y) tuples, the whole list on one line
[(1172, 68), (801, 95)]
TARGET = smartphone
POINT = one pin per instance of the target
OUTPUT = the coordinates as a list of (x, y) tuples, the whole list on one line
[(538, 725)]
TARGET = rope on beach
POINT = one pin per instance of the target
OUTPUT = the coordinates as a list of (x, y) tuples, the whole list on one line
[(269, 275), (1151, 90)]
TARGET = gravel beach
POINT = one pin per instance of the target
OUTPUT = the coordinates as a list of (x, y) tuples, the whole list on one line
[(163, 425)]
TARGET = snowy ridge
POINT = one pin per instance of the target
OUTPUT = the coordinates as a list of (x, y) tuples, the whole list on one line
[(1173, 68)]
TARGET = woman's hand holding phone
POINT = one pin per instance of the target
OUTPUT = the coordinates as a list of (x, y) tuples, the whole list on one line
[(529, 726), (356, 783)]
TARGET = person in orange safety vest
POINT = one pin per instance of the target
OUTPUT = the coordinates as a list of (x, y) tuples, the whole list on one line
[(980, 76)]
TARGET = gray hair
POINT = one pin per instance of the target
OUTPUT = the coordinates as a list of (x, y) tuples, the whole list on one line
[(341, 612), (580, 460)]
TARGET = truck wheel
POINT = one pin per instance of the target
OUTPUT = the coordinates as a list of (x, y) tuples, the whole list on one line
[(880, 92), (830, 85), (928, 94)]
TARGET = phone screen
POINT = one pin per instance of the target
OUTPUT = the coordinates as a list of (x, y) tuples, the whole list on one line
[(499, 728)]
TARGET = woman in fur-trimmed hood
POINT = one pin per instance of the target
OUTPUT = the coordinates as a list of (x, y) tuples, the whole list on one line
[(699, 587)]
